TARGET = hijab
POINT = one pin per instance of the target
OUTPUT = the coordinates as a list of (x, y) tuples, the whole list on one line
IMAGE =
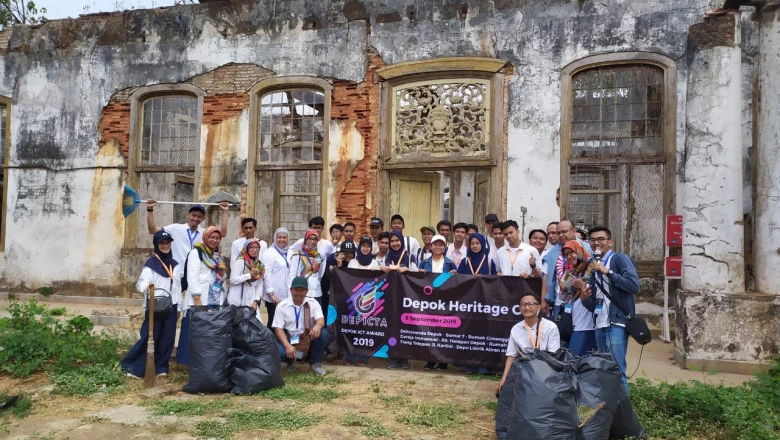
[(365, 260), (154, 262), (480, 261), (276, 234), (400, 257), (310, 258), (212, 259), (250, 262), (582, 257)]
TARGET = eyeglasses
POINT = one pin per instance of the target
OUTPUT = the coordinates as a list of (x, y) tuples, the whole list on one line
[(598, 239), (528, 305)]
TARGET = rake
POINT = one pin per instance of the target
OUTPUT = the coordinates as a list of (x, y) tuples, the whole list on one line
[(130, 202)]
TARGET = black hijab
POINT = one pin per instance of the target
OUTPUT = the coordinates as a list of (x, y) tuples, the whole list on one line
[(154, 263)]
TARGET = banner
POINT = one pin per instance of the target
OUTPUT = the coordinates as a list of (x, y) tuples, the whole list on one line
[(451, 318)]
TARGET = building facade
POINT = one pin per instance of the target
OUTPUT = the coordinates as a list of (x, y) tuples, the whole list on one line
[(615, 113)]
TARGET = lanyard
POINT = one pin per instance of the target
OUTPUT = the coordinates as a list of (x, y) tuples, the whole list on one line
[(473, 272), (283, 256), (538, 334), (456, 259), (400, 259), (513, 259), (192, 237), (169, 270), (297, 315)]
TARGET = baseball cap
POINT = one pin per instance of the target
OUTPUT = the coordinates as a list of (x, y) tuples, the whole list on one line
[(427, 228), (161, 235), (438, 237), (347, 246), (491, 218), (376, 221), (299, 282), (200, 208)]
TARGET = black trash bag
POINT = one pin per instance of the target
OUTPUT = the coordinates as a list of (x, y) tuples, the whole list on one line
[(626, 424), (598, 377), (260, 369), (250, 374), (545, 404), (210, 339), (505, 400)]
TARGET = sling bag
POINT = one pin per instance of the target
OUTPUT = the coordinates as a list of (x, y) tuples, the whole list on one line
[(635, 326)]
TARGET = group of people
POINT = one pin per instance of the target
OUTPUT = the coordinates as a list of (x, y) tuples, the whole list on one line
[(581, 278)]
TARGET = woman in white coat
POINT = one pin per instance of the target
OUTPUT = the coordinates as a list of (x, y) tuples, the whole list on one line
[(246, 277), (276, 270), (165, 273), (206, 279), (306, 263)]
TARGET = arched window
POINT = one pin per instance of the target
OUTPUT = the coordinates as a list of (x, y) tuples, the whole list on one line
[(291, 117), (618, 149)]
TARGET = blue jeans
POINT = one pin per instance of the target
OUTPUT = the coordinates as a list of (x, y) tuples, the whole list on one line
[(614, 340), (582, 342), (316, 349), (164, 337)]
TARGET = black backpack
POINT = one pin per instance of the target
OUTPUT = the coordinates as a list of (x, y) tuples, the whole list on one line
[(184, 284)]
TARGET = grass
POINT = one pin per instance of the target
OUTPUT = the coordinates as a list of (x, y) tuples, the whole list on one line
[(434, 416), (302, 395), (371, 428), (307, 378), (87, 380), (23, 405), (190, 407), (263, 419)]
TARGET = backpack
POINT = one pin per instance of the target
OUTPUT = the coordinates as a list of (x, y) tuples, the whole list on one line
[(184, 284)]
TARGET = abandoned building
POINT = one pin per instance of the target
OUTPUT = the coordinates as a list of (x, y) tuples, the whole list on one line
[(432, 108)]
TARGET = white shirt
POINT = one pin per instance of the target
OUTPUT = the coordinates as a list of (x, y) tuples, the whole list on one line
[(162, 284), (355, 265), (284, 316), (238, 246), (549, 338), (297, 268), (543, 266), (514, 261), (581, 317), (493, 254), (243, 291), (199, 281), (380, 261), (324, 247), (183, 243), (411, 245), (602, 319), (458, 255), (276, 271)]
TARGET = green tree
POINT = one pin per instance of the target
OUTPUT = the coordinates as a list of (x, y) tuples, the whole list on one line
[(20, 12)]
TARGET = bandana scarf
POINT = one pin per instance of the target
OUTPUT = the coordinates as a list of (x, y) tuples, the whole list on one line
[(310, 258), (252, 263), (214, 261), (582, 269)]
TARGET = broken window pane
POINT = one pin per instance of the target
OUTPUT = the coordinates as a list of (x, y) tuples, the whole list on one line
[(169, 131), (291, 127)]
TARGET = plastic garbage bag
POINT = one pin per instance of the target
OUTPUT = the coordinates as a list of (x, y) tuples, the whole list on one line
[(210, 340), (626, 424), (252, 374), (505, 401), (544, 402), (598, 377)]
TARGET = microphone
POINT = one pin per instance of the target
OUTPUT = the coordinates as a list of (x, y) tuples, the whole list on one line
[(597, 255)]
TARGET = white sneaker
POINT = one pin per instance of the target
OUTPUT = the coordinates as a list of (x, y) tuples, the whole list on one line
[(318, 370), (162, 374), (133, 376)]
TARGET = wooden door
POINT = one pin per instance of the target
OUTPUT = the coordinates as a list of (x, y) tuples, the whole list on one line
[(417, 197), (481, 199)]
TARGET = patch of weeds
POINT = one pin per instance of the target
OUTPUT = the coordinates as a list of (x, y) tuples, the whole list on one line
[(371, 427), (46, 291), (169, 428), (178, 376), (37, 436), (475, 376), (375, 387), (89, 379), (434, 416), (491, 405), (252, 420), (94, 419), (302, 395), (21, 408), (307, 378), (394, 400), (58, 311), (34, 339), (190, 407)]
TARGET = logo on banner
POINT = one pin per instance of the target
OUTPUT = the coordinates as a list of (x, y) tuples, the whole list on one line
[(364, 303)]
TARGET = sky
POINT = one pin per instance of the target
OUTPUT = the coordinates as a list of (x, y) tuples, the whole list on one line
[(73, 8)]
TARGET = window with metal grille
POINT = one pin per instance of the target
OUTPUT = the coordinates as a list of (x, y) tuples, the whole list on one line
[(170, 131), (616, 168), (299, 199), (291, 126), (3, 146)]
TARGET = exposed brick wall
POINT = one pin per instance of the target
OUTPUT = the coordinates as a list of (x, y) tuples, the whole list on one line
[(360, 103), (115, 124)]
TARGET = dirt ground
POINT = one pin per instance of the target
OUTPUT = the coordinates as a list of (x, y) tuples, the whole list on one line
[(348, 403)]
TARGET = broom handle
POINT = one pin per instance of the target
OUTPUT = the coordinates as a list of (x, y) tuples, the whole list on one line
[(189, 203), (150, 376)]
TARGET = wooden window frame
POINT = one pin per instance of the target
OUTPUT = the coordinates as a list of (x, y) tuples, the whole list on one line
[(6, 161), (278, 84), (134, 167), (450, 68), (668, 130)]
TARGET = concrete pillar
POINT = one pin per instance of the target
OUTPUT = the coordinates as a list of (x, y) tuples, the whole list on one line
[(767, 159), (712, 193)]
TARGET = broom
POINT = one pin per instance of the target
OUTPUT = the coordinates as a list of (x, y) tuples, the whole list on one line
[(149, 375), (130, 202)]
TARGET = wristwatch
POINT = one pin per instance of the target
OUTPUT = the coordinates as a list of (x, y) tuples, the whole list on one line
[(610, 272)]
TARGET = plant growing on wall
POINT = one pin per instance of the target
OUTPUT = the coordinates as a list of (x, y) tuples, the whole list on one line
[(20, 12)]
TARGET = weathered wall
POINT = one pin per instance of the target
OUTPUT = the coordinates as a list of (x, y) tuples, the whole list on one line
[(71, 80)]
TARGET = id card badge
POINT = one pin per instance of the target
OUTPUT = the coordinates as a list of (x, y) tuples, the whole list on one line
[(295, 339), (567, 308), (599, 307)]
